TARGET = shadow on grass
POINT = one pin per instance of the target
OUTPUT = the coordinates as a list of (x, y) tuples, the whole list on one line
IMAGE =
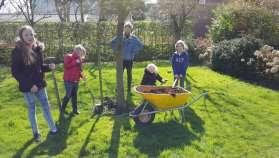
[(190, 78), (83, 151), (110, 86), (130, 102), (225, 103), (115, 138), (261, 81), (157, 137), (54, 144), (23, 148)]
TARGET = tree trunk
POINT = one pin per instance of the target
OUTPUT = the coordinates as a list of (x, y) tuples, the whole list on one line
[(99, 61), (177, 35), (32, 10), (65, 11), (176, 28), (59, 10), (61, 37), (68, 10), (2, 3), (119, 66), (81, 11)]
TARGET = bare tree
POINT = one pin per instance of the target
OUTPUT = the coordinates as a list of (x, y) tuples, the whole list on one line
[(121, 9), (81, 2), (177, 11), (83, 7), (63, 9), (2, 3), (272, 5), (27, 9)]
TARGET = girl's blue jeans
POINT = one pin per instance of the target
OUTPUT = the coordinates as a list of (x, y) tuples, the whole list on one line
[(41, 95)]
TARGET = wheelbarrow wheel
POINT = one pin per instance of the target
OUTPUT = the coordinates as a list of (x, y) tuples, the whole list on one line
[(146, 118)]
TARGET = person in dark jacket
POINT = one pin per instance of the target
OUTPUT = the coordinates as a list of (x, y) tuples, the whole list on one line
[(72, 74), (131, 46), (151, 75), (180, 62), (28, 69)]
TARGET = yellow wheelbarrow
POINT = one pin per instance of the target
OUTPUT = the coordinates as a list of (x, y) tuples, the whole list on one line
[(160, 99)]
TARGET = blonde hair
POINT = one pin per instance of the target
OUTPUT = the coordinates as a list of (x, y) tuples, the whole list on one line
[(80, 48), (128, 24), (185, 46), (152, 65)]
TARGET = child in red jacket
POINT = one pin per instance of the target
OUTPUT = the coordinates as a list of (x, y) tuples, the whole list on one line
[(72, 75)]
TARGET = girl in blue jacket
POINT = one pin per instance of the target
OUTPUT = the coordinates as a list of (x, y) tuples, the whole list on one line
[(180, 62)]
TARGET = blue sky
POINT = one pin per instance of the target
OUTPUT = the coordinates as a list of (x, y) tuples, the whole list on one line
[(151, 1), (9, 8)]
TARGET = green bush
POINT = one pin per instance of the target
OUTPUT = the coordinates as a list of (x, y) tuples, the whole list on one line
[(234, 56), (193, 53), (267, 63), (155, 52), (222, 25), (5, 56), (236, 21), (59, 39)]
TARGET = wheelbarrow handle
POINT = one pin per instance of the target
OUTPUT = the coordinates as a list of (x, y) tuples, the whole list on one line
[(174, 83)]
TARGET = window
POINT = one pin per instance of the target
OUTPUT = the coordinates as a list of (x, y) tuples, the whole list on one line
[(202, 2)]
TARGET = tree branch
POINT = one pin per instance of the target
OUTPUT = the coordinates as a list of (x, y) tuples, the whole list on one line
[(2, 4), (44, 17)]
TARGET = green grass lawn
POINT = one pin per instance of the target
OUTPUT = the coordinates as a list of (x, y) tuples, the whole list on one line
[(237, 120)]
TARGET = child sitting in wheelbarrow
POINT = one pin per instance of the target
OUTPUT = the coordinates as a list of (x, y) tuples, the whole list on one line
[(151, 75)]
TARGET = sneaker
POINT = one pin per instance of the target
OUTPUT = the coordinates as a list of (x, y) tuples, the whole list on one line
[(37, 137), (53, 132)]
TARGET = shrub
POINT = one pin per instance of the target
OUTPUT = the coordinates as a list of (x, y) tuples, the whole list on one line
[(193, 56), (236, 56), (61, 38), (267, 62), (236, 21), (5, 56), (155, 52), (222, 25), (204, 49)]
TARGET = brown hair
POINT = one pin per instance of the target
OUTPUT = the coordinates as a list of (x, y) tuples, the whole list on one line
[(28, 55)]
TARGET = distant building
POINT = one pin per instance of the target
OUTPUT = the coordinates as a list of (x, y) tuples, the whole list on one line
[(47, 8)]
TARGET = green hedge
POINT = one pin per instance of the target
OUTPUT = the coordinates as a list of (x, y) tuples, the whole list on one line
[(231, 56), (236, 21), (60, 38), (5, 56)]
